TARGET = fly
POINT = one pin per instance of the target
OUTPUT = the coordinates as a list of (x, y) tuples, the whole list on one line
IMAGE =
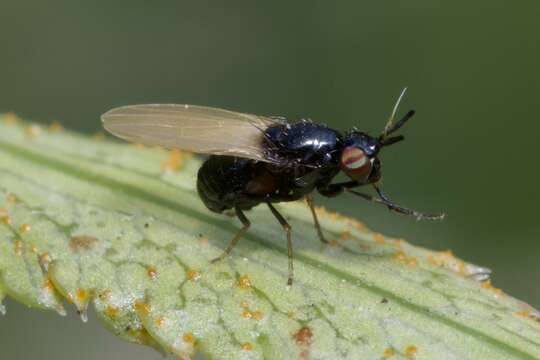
[(259, 159)]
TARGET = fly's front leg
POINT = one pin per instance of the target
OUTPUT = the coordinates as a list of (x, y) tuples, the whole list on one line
[(309, 200), (333, 190)]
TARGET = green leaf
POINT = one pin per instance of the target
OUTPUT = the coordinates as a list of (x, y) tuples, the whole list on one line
[(87, 221)]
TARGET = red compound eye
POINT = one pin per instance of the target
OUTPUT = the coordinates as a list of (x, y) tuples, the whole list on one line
[(355, 163)]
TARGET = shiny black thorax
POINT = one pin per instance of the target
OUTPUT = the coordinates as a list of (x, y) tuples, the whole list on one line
[(308, 157)]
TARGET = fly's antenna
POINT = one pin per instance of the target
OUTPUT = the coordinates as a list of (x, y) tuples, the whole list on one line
[(392, 127)]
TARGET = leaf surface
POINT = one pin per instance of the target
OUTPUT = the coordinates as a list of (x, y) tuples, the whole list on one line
[(92, 222)]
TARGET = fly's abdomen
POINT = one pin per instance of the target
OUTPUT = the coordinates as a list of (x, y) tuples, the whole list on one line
[(221, 180)]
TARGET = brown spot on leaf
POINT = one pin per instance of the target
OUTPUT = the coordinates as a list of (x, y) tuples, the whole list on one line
[(82, 243), (303, 339)]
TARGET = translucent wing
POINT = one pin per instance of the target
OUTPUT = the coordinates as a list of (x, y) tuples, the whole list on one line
[(198, 129)]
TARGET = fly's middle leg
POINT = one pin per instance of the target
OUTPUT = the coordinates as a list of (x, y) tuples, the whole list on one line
[(287, 229), (246, 224)]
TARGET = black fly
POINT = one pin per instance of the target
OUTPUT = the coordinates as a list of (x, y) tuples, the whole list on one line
[(258, 159)]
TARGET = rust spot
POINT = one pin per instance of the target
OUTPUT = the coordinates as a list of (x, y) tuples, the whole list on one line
[(244, 282), (389, 352), (4, 216), (411, 351), (244, 304), (142, 308), (175, 161), (18, 247), (105, 294), (189, 338), (99, 136), (152, 272), (412, 261), (82, 295), (10, 118), (447, 253), (346, 235), (82, 242), (247, 314), (203, 240), (69, 298), (24, 228), (193, 275), (400, 256), (303, 339), (11, 199), (48, 285), (55, 126), (247, 346), (159, 321), (6, 220), (378, 238), (44, 261), (487, 285), (257, 315), (333, 242), (32, 131), (303, 336), (112, 311), (323, 213)]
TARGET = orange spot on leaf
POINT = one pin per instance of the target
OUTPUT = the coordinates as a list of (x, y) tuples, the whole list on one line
[(244, 282), (152, 272), (389, 352), (24, 228), (247, 346), (411, 351), (142, 308), (193, 275), (189, 338)]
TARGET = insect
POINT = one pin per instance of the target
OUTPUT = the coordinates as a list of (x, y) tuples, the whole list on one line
[(259, 159)]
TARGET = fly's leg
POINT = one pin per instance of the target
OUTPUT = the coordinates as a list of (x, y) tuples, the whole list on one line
[(309, 200), (383, 199), (238, 235), (287, 229)]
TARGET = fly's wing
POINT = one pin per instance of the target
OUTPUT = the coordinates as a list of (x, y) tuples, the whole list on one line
[(198, 129)]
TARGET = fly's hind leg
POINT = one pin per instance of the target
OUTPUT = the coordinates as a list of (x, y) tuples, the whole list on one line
[(238, 235), (309, 201), (287, 229)]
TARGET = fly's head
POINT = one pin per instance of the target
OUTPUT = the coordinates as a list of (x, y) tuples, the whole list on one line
[(359, 157)]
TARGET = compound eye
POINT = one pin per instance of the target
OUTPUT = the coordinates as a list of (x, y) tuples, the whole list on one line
[(355, 163)]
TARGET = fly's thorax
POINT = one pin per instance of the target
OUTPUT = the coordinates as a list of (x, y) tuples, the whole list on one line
[(304, 143)]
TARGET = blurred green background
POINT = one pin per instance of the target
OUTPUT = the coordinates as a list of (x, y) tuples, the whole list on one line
[(472, 69)]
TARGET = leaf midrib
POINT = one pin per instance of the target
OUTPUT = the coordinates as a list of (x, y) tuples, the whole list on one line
[(135, 191)]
